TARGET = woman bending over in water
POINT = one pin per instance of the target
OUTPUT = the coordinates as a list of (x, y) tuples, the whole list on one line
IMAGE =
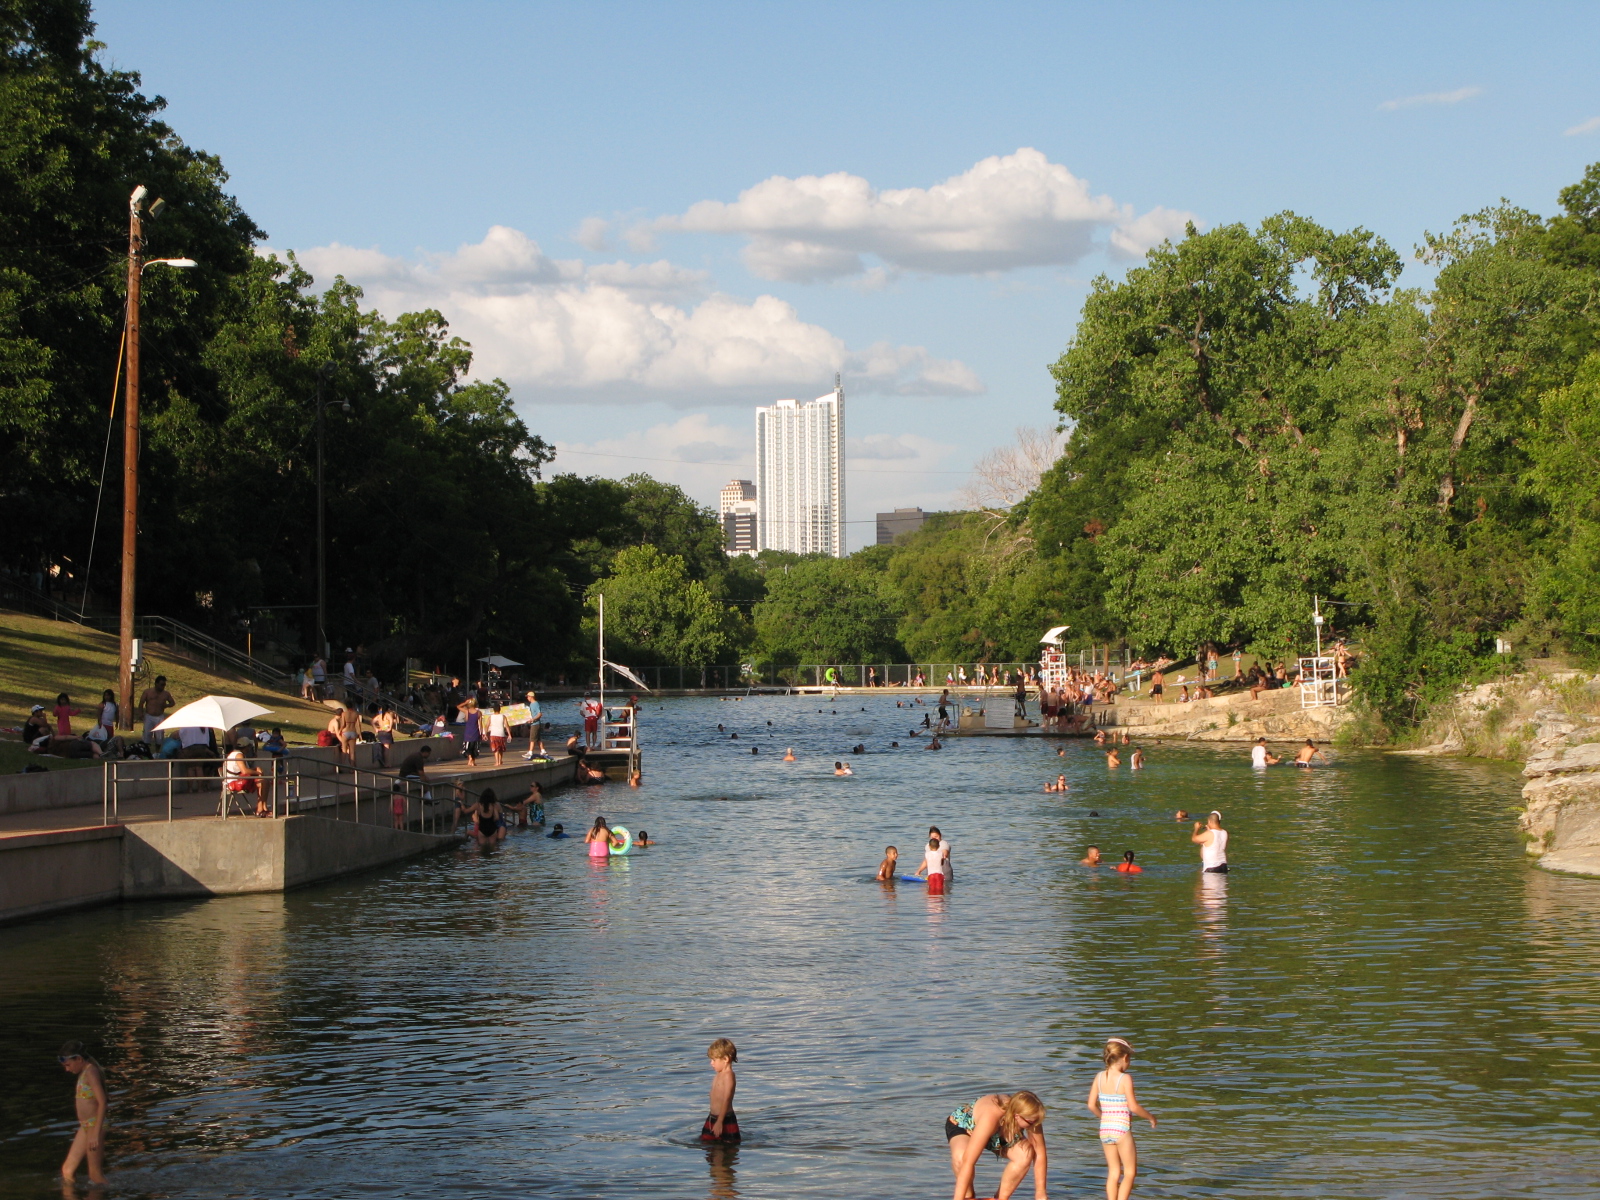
[(1012, 1128)]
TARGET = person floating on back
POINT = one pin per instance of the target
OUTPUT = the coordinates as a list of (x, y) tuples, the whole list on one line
[(1111, 1099), (722, 1125)]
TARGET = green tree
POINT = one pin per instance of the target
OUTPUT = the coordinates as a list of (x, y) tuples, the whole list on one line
[(827, 610), (656, 614)]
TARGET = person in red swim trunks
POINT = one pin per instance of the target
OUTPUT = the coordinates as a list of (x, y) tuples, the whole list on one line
[(722, 1125)]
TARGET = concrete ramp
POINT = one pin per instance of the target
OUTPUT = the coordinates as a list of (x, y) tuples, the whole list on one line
[(222, 858)]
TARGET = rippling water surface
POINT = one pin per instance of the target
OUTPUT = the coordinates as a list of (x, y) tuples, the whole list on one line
[(1383, 998)]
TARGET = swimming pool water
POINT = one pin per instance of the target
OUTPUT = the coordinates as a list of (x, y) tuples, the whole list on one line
[(1382, 999)]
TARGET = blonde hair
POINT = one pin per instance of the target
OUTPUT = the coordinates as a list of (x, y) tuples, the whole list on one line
[(723, 1048), (1116, 1050), (1021, 1104)]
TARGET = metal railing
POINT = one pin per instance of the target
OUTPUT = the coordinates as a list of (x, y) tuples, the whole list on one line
[(288, 786)]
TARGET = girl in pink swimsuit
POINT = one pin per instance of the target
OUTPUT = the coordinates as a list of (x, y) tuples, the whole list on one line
[(599, 839)]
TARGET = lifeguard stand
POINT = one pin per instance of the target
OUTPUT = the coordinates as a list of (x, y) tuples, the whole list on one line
[(1319, 677), (1319, 683), (1052, 662)]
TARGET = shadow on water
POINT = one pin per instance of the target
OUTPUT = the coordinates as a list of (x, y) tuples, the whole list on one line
[(525, 1023)]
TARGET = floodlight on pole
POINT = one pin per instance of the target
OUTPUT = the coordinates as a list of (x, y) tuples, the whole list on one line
[(183, 263)]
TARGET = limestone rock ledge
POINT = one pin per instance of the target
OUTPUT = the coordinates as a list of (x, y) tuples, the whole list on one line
[(1561, 813)]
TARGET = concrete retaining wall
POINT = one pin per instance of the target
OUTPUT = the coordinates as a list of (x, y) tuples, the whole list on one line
[(69, 868), (75, 868)]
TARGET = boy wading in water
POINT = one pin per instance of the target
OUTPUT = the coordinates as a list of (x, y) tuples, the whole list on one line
[(90, 1098), (722, 1125), (1111, 1099)]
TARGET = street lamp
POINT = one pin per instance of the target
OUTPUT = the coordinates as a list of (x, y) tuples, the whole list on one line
[(324, 373), (130, 438)]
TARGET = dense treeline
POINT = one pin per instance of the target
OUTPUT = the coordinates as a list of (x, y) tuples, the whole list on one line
[(440, 527)]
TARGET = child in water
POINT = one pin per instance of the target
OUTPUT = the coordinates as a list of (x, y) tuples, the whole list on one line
[(643, 839), (840, 769), (886, 869), (1128, 865), (1111, 1099), (933, 866), (721, 1125), (90, 1097)]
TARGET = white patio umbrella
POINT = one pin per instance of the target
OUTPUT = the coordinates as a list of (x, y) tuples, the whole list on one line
[(214, 712)]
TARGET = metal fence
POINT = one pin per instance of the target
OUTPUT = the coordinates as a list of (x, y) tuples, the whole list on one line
[(824, 675)]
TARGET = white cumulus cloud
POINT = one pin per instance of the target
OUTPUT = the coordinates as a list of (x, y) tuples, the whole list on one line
[(1582, 127), (1006, 212), (568, 330), (1455, 97)]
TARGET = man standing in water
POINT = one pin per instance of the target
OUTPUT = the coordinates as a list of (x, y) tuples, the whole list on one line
[(1212, 839)]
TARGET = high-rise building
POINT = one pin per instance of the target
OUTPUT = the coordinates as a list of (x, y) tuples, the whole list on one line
[(902, 520), (739, 514), (800, 475)]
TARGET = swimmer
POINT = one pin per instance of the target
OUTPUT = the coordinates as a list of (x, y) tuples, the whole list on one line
[(788, 755), (90, 1098), (1306, 753), (558, 831), (1060, 785), (1181, 815), (720, 729), (722, 1125), (949, 867), (1138, 760), (1128, 866), (1092, 813), (894, 745), (936, 744), (636, 779), (1212, 839), (840, 769), (1061, 753), (886, 869), (1091, 857), (733, 737), (1124, 737), (1111, 758), (755, 749), (1260, 756), (1099, 737), (643, 839), (599, 839), (932, 868), (1111, 1099)]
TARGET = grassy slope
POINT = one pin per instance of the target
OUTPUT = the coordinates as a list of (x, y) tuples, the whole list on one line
[(40, 657)]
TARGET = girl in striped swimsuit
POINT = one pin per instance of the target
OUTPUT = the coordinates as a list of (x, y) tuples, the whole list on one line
[(1111, 1099)]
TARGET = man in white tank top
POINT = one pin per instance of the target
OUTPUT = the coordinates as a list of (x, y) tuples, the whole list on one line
[(1212, 839)]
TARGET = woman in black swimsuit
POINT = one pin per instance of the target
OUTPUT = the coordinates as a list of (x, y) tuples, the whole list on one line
[(487, 826)]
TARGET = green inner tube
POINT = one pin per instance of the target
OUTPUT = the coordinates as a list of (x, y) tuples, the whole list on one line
[(627, 840)]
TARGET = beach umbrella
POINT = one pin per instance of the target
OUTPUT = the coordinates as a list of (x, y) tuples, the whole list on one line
[(214, 712)]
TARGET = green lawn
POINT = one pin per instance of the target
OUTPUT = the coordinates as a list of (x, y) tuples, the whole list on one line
[(40, 658)]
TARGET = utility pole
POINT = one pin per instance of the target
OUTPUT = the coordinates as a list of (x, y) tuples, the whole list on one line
[(322, 538), (130, 462), (130, 440)]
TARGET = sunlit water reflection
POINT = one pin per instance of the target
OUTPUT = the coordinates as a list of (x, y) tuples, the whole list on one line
[(1383, 998)]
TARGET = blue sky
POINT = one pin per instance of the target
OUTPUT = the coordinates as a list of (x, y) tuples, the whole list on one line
[(701, 208)]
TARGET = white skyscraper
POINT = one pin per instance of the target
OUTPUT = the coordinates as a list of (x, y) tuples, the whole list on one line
[(800, 475)]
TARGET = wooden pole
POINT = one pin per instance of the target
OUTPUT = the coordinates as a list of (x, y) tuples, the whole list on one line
[(130, 470)]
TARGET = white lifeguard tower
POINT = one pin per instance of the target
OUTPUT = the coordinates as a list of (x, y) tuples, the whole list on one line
[(1319, 676), (1052, 661)]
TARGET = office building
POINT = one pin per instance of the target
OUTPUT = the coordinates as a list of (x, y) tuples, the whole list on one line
[(800, 475), (738, 511), (902, 520)]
